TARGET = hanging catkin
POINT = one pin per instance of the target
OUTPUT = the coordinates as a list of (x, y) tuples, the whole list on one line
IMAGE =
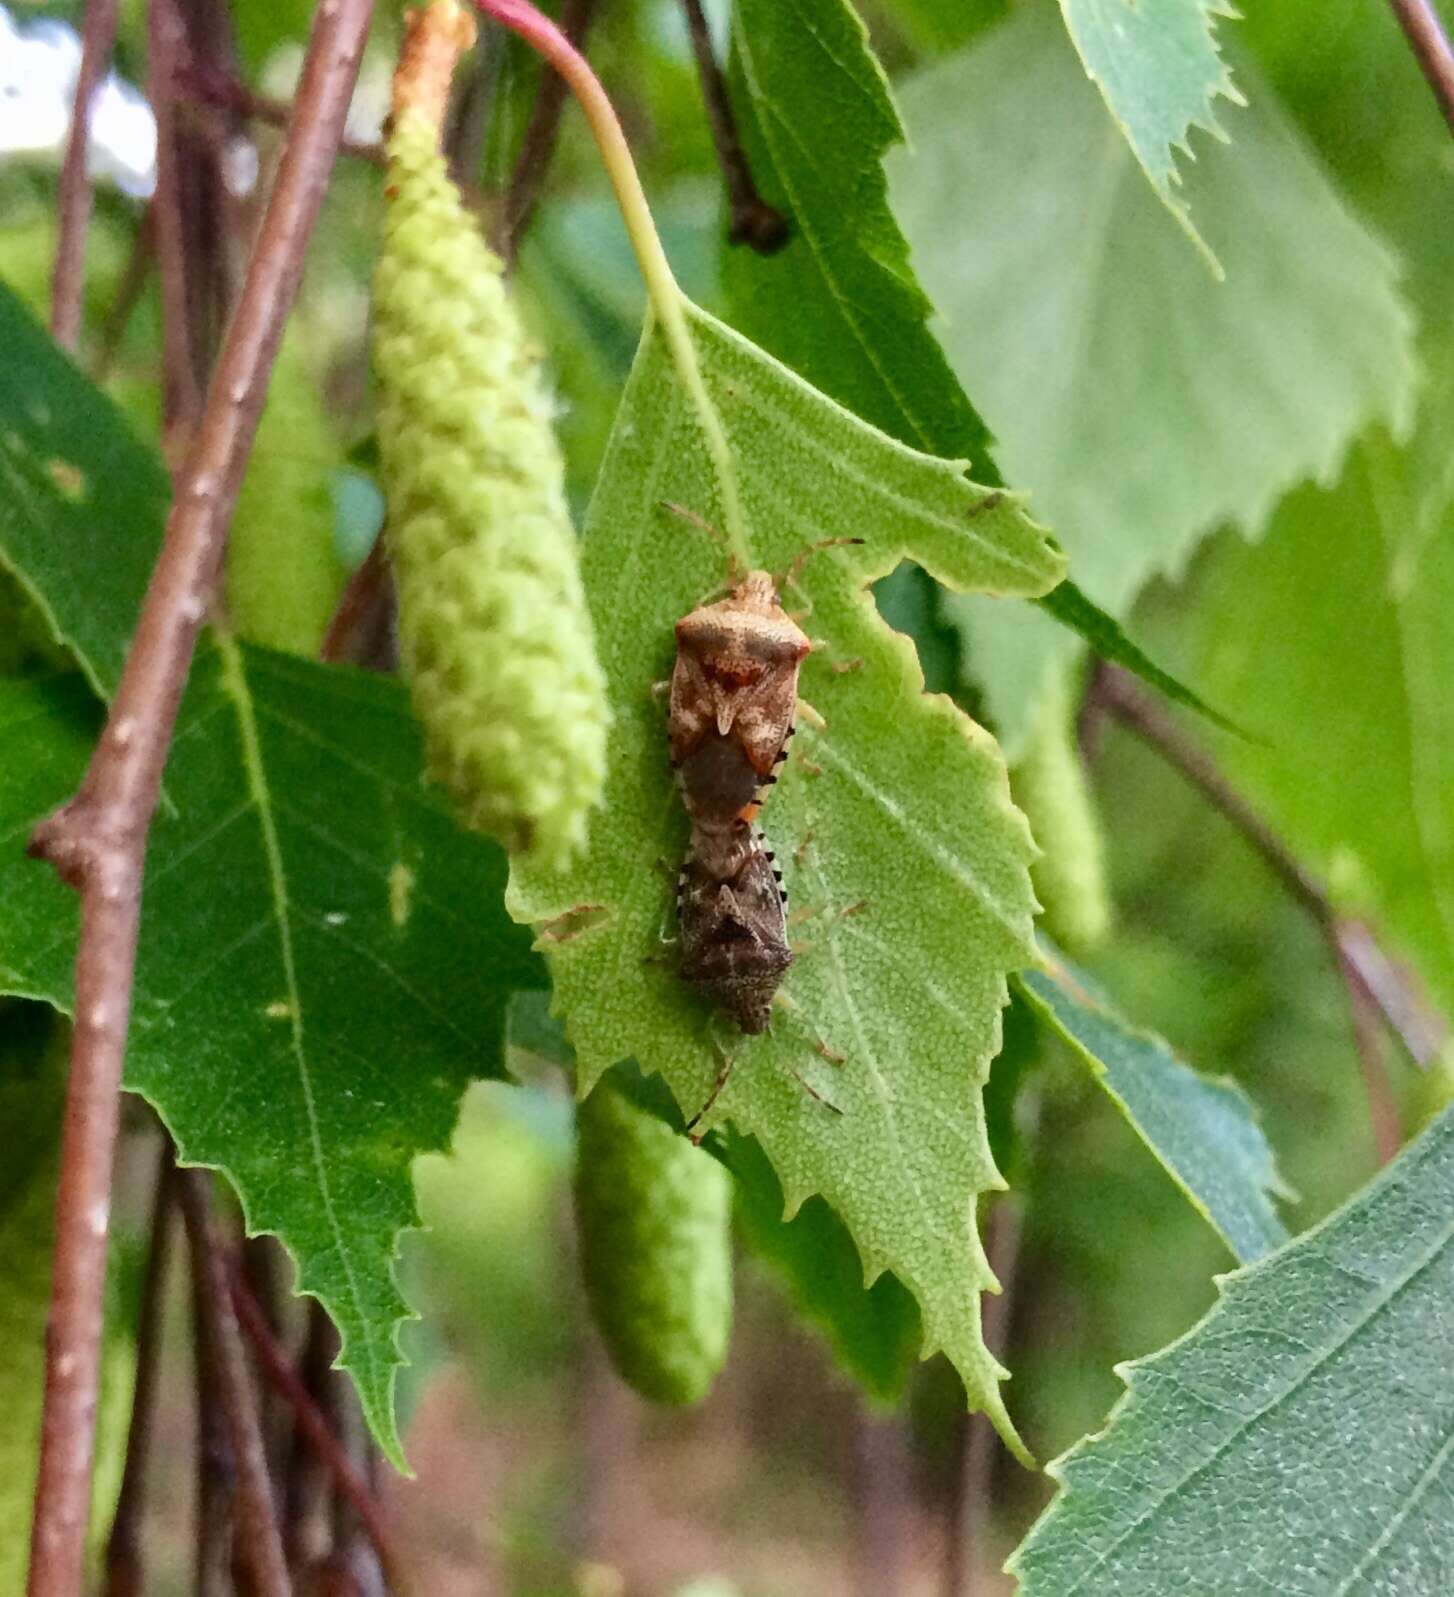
[(494, 631), (653, 1215)]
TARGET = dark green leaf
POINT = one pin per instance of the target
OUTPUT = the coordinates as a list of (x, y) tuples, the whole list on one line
[(82, 502), (324, 958), (1298, 1440), (1108, 638), (839, 304)]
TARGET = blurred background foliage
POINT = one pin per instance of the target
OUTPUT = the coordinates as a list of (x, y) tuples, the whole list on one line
[(516, 1427)]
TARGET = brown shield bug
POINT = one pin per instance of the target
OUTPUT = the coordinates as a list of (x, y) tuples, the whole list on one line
[(733, 698), (734, 934), (735, 949)]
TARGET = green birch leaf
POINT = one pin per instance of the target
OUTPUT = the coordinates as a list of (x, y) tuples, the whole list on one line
[(1202, 1131), (1158, 70), (1297, 1440), (324, 958), (839, 303), (1339, 622), (901, 805), (1143, 404), (78, 494)]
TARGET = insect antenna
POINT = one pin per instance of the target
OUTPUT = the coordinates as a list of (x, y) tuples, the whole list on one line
[(803, 556), (734, 573)]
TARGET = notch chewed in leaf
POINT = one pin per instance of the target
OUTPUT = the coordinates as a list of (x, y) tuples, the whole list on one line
[(897, 807)]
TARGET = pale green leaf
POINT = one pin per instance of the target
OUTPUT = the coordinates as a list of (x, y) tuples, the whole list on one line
[(904, 809), (1142, 404), (1203, 1132), (1156, 64), (1298, 1440), (323, 964), (1340, 624)]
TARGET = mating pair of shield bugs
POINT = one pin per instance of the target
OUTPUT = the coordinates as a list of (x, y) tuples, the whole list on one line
[(733, 699)]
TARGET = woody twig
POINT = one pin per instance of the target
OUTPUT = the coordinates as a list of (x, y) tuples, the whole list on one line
[(1375, 982), (73, 199), (97, 841), (751, 220)]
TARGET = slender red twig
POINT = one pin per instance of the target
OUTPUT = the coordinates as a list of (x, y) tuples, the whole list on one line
[(969, 1510), (125, 1570), (751, 220), (73, 198), (1383, 1116), (1388, 986), (278, 1370), (230, 1385), (307, 1502), (215, 1479), (128, 295), (1430, 45), (181, 398), (221, 89), (98, 840)]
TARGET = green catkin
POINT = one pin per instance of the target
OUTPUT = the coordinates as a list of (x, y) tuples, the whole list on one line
[(653, 1214), (283, 572), (494, 632), (1050, 785)]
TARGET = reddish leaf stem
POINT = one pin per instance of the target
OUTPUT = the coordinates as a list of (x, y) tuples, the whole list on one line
[(230, 1385), (97, 841), (1430, 45), (73, 198)]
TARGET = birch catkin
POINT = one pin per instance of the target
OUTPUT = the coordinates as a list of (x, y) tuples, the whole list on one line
[(494, 632), (653, 1215)]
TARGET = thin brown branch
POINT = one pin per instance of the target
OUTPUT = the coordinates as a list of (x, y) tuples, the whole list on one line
[(970, 1499), (259, 1542), (128, 295), (1388, 986), (883, 1505), (216, 1479), (541, 132), (307, 1516), (182, 382), (314, 1427), (751, 220), (125, 1569), (1430, 45), (364, 629), (212, 87), (73, 198), (97, 841), (1383, 1116)]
